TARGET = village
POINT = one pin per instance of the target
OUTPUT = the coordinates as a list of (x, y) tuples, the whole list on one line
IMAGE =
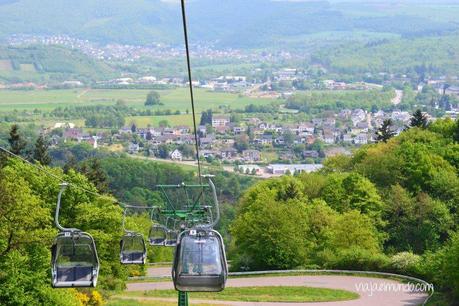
[(251, 146)]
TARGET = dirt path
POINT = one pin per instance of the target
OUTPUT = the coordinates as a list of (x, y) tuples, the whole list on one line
[(389, 295)]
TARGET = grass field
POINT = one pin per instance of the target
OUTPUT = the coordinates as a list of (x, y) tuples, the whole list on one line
[(260, 294), (173, 120), (175, 99)]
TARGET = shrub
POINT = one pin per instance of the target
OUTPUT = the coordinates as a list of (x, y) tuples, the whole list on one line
[(356, 259), (405, 263)]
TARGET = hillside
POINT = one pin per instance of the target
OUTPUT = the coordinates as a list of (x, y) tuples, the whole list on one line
[(436, 54), (230, 23), (38, 64)]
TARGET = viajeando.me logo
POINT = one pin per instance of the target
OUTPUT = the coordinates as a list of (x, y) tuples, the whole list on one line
[(371, 287)]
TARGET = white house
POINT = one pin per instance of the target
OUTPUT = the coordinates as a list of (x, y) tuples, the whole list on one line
[(281, 169), (220, 121), (176, 155)]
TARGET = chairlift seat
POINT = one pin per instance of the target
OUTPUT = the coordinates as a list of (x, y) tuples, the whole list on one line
[(200, 262), (74, 261)]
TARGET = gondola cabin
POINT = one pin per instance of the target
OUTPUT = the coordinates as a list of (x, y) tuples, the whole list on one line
[(200, 262), (133, 249), (74, 260), (171, 238), (157, 236)]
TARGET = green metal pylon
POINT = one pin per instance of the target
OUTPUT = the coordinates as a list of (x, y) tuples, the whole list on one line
[(182, 298)]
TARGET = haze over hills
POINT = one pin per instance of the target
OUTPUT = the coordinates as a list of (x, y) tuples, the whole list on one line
[(233, 23)]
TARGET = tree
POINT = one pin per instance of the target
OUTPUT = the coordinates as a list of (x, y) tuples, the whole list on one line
[(187, 150), (149, 135), (206, 117), (92, 169), (415, 223), (354, 230), (17, 143), (289, 138), (153, 98), (71, 163), (419, 120), (163, 151), (385, 132), (456, 131), (270, 234), (40, 152), (443, 267), (346, 192), (241, 143)]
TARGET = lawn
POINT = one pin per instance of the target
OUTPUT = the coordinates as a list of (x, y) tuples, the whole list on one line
[(174, 99), (260, 294), (145, 302)]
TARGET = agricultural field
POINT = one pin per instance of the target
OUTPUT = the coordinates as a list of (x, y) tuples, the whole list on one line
[(172, 120), (174, 99)]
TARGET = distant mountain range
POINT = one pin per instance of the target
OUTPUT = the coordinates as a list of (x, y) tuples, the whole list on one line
[(234, 23)]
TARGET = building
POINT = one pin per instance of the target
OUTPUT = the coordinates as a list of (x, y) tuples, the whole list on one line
[(73, 134), (133, 148), (228, 153), (361, 139), (281, 169), (220, 121), (310, 154), (251, 155), (176, 155)]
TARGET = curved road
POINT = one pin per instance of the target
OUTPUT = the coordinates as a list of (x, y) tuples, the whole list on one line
[(390, 294)]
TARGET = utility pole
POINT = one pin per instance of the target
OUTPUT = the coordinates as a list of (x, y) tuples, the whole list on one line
[(182, 298)]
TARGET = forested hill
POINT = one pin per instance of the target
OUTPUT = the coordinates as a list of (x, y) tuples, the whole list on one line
[(434, 54), (238, 23)]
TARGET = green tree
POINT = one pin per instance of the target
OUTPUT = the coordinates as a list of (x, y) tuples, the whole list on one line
[(271, 234), (456, 131), (40, 152), (289, 138), (153, 98), (419, 120), (417, 223), (206, 117), (384, 133), (443, 267), (241, 143), (346, 192), (92, 169), (354, 230), (163, 151), (16, 141)]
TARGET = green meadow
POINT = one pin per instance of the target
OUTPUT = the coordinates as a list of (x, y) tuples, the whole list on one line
[(174, 99)]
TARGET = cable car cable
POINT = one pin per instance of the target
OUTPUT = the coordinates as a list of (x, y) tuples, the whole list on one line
[(188, 61), (56, 177)]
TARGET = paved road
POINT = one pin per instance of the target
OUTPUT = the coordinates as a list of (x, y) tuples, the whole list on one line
[(380, 298)]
